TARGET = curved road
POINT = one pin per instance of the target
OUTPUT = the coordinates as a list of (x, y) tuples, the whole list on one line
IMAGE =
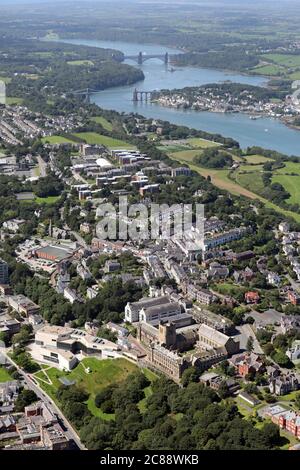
[(43, 396)]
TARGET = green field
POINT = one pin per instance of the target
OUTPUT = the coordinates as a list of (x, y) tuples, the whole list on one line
[(270, 70), (11, 100), (103, 373), (202, 143), (104, 122), (291, 184), (5, 79), (186, 156), (286, 60), (221, 179), (93, 138), (56, 139), (290, 167), (252, 180), (257, 159), (4, 375), (80, 62), (47, 200)]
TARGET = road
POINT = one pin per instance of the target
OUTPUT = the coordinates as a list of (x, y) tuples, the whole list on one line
[(43, 396), (295, 285), (42, 166), (245, 331), (79, 239)]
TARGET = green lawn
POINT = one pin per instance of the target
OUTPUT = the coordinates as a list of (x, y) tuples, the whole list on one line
[(93, 138), (56, 139), (104, 122), (103, 372), (47, 200), (80, 62), (4, 375)]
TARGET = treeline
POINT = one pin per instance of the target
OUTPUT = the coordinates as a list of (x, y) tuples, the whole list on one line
[(214, 158), (233, 58)]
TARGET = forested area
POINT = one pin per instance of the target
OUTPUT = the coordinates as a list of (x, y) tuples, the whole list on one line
[(173, 418)]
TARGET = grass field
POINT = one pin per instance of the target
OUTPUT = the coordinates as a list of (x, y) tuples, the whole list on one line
[(202, 143), (4, 375), (252, 181), (47, 200), (186, 156), (56, 139), (11, 100), (93, 138), (291, 184), (103, 373), (104, 122), (221, 179), (5, 79), (270, 70), (80, 62), (286, 60), (257, 159)]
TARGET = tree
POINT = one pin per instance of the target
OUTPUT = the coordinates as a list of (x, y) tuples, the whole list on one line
[(272, 434), (249, 345), (25, 398)]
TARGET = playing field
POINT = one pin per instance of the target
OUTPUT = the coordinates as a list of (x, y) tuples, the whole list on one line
[(93, 138)]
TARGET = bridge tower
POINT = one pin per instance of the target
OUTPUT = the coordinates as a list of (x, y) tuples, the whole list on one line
[(166, 58), (135, 96), (140, 58)]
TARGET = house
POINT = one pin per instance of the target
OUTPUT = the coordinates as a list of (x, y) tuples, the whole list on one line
[(252, 297), (23, 305), (283, 384), (200, 295), (293, 353), (274, 279), (214, 381), (249, 398), (290, 322), (248, 363), (284, 227), (7, 424), (111, 266), (217, 271), (294, 297)]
